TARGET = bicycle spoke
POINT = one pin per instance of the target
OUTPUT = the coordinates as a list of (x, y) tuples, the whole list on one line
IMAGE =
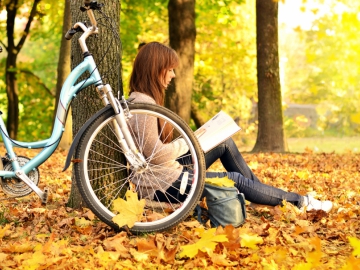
[(107, 175)]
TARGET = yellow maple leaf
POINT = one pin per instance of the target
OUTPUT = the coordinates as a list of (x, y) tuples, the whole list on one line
[(221, 260), (4, 230), (19, 248), (130, 210), (48, 244), (269, 266), (355, 243), (250, 241), (82, 222), (3, 256), (220, 182), (35, 261), (303, 266), (139, 256), (207, 243), (303, 175)]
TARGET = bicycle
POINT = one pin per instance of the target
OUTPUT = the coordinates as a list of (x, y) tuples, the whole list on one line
[(102, 180)]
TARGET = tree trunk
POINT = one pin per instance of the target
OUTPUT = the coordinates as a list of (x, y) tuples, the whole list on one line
[(12, 123), (13, 51), (270, 137), (63, 71), (106, 54), (182, 33)]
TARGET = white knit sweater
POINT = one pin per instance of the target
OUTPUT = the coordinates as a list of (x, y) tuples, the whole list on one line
[(163, 169)]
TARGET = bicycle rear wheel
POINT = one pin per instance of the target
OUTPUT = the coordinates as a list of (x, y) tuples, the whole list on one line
[(103, 175)]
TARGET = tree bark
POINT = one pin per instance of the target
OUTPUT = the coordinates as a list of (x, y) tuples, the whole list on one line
[(270, 137), (13, 51), (63, 70), (182, 33), (105, 52)]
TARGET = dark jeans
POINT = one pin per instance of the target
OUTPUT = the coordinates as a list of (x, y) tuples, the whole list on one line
[(245, 180)]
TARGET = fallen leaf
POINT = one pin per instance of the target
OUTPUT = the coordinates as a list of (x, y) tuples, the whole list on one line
[(221, 260), (139, 256), (250, 241), (130, 210), (355, 243), (82, 222), (4, 230), (220, 182), (207, 243)]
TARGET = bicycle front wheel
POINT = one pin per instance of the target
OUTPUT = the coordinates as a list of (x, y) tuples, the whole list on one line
[(104, 174)]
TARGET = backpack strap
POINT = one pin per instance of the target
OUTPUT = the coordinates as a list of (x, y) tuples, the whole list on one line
[(199, 211), (241, 198)]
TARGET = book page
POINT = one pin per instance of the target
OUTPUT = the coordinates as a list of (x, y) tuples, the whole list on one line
[(216, 130)]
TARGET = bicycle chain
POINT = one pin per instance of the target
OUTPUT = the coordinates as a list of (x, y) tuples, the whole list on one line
[(4, 161)]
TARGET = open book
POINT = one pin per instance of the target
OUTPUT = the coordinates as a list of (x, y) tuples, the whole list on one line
[(216, 130)]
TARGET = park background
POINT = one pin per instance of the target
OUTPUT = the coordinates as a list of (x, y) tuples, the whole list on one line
[(318, 49), (318, 52)]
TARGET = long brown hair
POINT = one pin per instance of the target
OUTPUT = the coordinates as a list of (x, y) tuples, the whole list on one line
[(149, 71)]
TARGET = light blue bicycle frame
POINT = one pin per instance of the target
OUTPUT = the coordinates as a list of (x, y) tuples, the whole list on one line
[(68, 92)]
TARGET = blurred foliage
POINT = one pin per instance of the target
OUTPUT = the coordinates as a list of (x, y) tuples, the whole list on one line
[(36, 68), (140, 21), (319, 65), (322, 67), (225, 61), (225, 64)]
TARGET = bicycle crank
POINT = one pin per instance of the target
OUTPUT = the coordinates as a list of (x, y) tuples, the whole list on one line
[(23, 184)]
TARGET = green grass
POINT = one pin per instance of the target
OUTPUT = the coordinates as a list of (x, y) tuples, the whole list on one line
[(338, 145), (315, 144), (325, 144)]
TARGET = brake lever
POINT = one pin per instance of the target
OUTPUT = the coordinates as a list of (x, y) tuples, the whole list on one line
[(69, 34)]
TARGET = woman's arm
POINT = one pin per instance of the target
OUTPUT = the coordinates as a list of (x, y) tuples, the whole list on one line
[(151, 145)]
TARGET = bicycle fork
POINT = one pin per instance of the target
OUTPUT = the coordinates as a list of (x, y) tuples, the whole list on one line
[(132, 154)]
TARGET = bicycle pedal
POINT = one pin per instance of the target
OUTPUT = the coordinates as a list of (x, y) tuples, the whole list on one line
[(45, 196)]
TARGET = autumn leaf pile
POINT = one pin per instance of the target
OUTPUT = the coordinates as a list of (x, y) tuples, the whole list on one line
[(54, 236)]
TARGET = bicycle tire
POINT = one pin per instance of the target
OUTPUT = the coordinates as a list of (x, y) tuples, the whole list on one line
[(96, 173)]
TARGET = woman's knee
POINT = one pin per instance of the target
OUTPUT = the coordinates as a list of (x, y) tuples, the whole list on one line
[(229, 142), (230, 145)]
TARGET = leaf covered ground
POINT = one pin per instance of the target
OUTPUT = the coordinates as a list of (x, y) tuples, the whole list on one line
[(54, 236)]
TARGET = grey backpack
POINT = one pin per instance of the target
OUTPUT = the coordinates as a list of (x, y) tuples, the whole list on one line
[(225, 206)]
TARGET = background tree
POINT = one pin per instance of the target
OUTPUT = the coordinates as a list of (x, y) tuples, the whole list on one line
[(270, 137), (35, 70), (106, 53), (225, 60), (182, 34), (63, 71), (13, 50), (141, 21)]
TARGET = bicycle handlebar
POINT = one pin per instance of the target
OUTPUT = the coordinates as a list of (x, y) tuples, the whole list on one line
[(82, 27)]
